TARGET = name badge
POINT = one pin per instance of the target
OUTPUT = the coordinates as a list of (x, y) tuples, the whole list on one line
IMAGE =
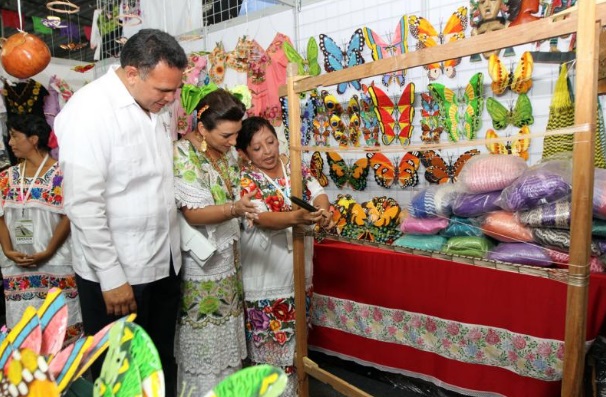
[(24, 231)]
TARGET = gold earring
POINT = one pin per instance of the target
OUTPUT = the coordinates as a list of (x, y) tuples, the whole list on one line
[(203, 145)]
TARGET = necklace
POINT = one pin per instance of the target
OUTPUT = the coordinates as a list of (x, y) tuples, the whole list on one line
[(222, 167)]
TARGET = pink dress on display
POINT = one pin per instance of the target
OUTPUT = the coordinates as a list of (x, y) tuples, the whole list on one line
[(266, 73)]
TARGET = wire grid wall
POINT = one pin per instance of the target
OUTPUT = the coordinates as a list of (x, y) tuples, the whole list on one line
[(114, 18), (382, 17)]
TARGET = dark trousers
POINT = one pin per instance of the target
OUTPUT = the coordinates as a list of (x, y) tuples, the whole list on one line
[(157, 309)]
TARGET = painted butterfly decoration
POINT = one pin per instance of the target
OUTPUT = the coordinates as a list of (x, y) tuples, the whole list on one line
[(256, 381), (427, 36), (518, 81), (27, 374), (429, 106), (449, 102), (519, 116), (132, 366), (395, 119), (285, 121), (35, 343), (337, 59), (517, 146), (316, 165), (343, 206), (438, 171), (309, 66), (321, 130), (402, 173), (343, 174), (431, 130), (369, 120), (396, 45), (431, 127), (308, 113), (382, 211)]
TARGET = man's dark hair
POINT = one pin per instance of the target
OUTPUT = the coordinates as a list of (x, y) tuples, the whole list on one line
[(148, 47)]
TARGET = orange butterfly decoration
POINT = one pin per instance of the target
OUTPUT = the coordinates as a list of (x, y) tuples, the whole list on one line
[(438, 171), (315, 167), (427, 36), (382, 211), (343, 174), (518, 81), (386, 173), (518, 146)]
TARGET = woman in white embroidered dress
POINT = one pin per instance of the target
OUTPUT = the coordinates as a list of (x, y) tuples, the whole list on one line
[(210, 341), (34, 230), (267, 262)]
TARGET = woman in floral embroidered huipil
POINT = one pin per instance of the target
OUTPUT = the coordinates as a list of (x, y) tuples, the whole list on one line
[(210, 341), (34, 230), (267, 261)]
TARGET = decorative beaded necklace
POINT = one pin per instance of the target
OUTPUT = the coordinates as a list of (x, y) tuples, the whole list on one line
[(222, 167)]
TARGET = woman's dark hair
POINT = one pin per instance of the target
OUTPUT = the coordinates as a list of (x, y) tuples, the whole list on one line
[(148, 47), (31, 125), (250, 127), (219, 105)]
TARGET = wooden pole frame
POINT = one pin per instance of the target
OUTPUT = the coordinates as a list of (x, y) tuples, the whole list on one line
[(578, 20)]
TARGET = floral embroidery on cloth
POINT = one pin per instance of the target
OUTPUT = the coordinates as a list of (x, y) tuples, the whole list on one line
[(46, 191), (252, 179), (522, 354), (268, 320), (25, 97)]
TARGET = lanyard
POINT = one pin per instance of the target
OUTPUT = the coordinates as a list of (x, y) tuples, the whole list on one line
[(22, 198), (278, 187)]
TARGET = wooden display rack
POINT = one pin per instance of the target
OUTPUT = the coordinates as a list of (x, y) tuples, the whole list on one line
[(578, 20)]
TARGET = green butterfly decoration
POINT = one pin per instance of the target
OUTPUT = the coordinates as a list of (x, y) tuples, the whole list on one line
[(449, 114), (519, 116), (132, 366), (256, 381), (309, 66)]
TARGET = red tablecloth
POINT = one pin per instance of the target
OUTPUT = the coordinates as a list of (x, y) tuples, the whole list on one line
[(359, 289)]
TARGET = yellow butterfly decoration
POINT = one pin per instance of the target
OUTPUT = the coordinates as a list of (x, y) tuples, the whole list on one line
[(518, 146), (518, 81), (428, 36)]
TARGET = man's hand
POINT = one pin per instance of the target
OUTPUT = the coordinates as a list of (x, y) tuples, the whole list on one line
[(120, 301)]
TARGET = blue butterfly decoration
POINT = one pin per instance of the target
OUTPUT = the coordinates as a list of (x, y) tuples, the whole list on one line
[(337, 59)]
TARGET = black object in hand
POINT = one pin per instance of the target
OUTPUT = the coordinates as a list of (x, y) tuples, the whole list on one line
[(303, 204)]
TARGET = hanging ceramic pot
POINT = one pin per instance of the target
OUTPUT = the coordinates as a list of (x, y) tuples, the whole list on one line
[(24, 55)]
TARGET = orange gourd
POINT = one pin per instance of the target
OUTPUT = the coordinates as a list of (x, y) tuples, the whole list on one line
[(24, 55)]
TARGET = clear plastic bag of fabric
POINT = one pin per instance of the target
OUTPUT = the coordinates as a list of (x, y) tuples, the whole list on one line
[(599, 193), (413, 225), (458, 226), (424, 242), (433, 201), (468, 246), (475, 204), (555, 215), (490, 172), (505, 227), (521, 253), (544, 183)]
